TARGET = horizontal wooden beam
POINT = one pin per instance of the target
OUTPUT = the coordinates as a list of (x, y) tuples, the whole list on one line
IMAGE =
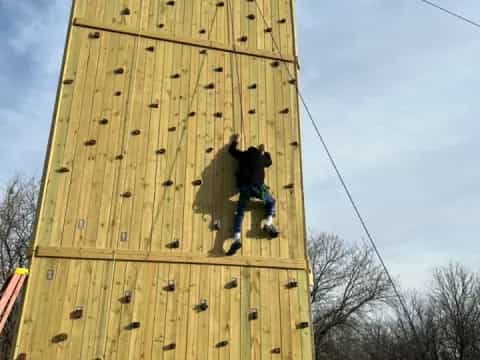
[(183, 40), (168, 257)]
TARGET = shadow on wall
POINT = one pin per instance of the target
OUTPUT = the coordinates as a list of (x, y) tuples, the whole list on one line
[(217, 199)]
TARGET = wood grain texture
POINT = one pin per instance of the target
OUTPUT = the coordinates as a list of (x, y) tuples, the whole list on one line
[(140, 191)]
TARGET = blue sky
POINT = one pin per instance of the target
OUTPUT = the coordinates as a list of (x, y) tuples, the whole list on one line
[(394, 86)]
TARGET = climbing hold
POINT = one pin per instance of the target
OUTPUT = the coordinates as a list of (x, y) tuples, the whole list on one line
[(276, 350), (303, 325), (210, 86), (175, 244), (50, 274), (202, 306), (218, 114), (171, 346), (243, 38), (133, 325), (127, 194), (59, 338), (135, 132), (68, 81), (173, 128), (252, 86), (191, 113), (292, 283), (150, 48), (22, 356), (153, 106), (81, 224), (203, 51), (209, 150), (282, 21), (294, 143), (170, 3), (103, 121), (218, 69), (62, 170), (222, 344), (232, 284), (90, 142), (170, 286), (119, 157), (160, 151), (127, 297), (197, 182), (160, 26), (289, 186), (77, 313), (202, 31), (125, 11), (251, 17), (253, 314), (118, 71), (175, 76), (168, 183), (123, 236), (94, 35), (252, 111), (292, 81), (216, 225), (117, 93), (275, 64), (268, 30), (285, 111), (220, 4)]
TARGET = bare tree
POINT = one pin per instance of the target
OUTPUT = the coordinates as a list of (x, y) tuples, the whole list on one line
[(18, 202), (456, 298), (348, 283)]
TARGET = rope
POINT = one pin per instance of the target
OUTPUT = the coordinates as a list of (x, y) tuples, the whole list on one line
[(458, 16), (237, 68), (345, 187)]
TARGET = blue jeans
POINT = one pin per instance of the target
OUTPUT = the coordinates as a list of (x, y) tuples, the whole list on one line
[(247, 192)]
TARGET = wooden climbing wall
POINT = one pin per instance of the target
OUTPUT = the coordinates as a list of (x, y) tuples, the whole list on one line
[(139, 192)]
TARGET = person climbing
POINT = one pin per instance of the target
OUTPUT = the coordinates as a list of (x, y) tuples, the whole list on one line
[(251, 183)]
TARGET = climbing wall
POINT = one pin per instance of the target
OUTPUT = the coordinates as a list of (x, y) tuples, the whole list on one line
[(139, 191)]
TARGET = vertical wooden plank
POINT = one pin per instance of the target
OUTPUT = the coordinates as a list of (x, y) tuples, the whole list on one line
[(255, 303), (159, 96), (73, 285), (182, 312), (286, 328), (114, 311), (225, 314), (55, 182), (193, 296), (245, 328), (32, 336), (304, 314), (108, 203), (81, 152), (160, 312), (171, 319), (236, 316), (295, 316), (267, 301), (204, 327)]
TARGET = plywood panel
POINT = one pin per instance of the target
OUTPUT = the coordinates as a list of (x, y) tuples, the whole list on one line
[(140, 189)]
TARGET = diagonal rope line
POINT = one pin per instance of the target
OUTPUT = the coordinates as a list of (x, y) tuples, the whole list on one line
[(345, 187), (450, 12)]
